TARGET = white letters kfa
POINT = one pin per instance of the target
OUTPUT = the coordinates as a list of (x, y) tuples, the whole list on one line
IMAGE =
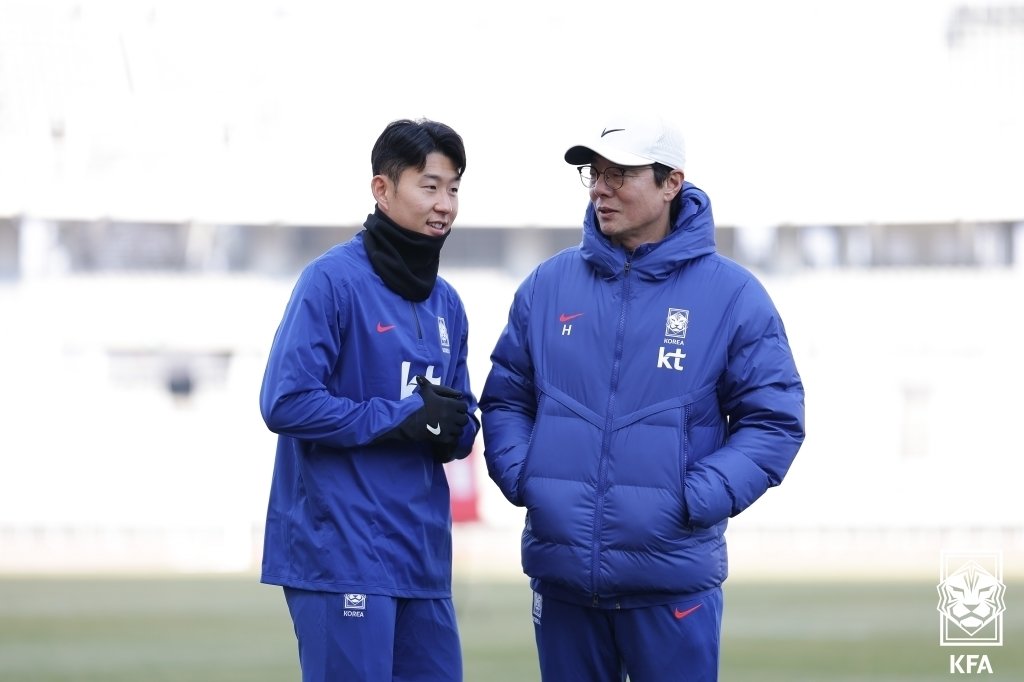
[(409, 382), (969, 663), (675, 356)]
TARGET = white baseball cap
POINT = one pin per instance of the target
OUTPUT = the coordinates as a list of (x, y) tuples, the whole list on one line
[(633, 141)]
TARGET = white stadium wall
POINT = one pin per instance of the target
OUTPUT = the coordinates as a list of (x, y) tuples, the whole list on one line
[(879, 189), (913, 395)]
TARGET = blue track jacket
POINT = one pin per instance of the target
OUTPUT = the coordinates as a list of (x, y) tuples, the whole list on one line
[(347, 514), (635, 403)]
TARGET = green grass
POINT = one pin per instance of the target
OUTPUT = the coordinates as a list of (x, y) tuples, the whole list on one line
[(216, 629)]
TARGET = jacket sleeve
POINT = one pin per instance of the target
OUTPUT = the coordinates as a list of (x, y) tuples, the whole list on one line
[(762, 396), (508, 402), (294, 398)]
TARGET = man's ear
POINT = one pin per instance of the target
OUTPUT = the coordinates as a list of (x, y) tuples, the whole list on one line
[(673, 184), (380, 187)]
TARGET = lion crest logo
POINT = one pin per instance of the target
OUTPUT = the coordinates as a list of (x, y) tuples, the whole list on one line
[(971, 598), (676, 322)]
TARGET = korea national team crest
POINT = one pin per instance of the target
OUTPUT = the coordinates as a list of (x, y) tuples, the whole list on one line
[(971, 603), (355, 605), (676, 323), (442, 330)]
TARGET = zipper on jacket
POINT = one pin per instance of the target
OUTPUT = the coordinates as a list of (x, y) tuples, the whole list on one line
[(416, 319), (602, 467)]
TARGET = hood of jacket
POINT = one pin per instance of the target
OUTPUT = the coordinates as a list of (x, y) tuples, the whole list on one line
[(692, 235)]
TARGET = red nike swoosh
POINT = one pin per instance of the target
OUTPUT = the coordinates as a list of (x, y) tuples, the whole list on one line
[(384, 327), (683, 614), (565, 318)]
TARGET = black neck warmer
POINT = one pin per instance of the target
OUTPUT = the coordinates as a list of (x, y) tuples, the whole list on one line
[(407, 261)]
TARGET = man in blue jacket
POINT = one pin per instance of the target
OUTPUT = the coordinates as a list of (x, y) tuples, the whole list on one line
[(367, 388), (642, 393)]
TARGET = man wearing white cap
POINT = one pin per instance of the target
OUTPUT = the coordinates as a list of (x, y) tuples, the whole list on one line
[(642, 393)]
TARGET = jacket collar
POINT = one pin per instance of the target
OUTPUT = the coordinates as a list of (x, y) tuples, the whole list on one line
[(692, 235)]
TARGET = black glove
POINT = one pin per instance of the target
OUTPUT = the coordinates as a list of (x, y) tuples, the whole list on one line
[(448, 453), (439, 422)]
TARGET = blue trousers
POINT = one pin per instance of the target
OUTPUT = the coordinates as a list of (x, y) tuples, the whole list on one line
[(374, 638), (676, 642)]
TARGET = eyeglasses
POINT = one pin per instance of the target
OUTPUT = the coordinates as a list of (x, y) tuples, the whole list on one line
[(614, 177)]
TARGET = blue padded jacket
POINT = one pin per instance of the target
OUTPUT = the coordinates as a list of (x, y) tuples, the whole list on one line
[(346, 513), (635, 402)]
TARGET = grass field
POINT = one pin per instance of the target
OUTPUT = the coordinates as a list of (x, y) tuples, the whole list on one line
[(216, 629)]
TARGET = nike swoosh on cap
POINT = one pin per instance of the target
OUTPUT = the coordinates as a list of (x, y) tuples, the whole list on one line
[(611, 130), (384, 327), (565, 318), (436, 430)]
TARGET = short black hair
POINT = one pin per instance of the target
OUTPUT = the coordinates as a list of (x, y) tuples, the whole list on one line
[(661, 173), (406, 143)]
